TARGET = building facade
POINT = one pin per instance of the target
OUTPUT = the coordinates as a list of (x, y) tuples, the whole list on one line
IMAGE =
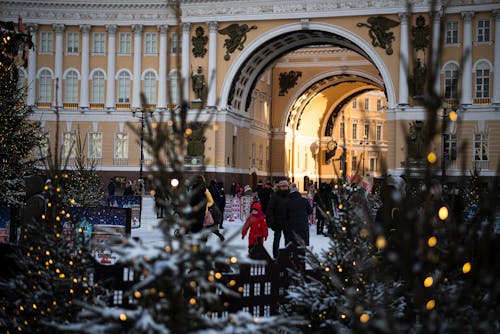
[(304, 90)]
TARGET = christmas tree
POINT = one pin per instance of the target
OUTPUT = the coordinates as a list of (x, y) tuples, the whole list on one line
[(18, 135)]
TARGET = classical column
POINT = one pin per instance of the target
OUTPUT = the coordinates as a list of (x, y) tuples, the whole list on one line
[(84, 76), (467, 57), (403, 60), (496, 61), (212, 64), (185, 75), (162, 69), (436, 66), (136, 84), (31, 85), (59, 29), (110, 84)]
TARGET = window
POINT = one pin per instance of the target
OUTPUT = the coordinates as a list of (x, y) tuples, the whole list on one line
[(253, 154), (483, 31), (354, 163), (150, 87), (366, 131), (95, 145), (451, 82), (123, 87), (46, 45), (45, 88), (174, 88), (342, 130), (72, 42), (121, 146), (99, 43), (125, 39), (71, 87), (379, 104), (261, 152), (481, 147), (150, 44), (174, 44), (354, 103), (98, 87), (367, 104), (69, 145), (372, 163), (449, 147), (452, 32), (354, 131), (378, 133), (482, 81)]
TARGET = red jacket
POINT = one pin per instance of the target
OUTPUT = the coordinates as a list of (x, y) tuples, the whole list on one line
[(257, 225)]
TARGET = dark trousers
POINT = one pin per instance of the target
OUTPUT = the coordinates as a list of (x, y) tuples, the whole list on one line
[(276, 242)]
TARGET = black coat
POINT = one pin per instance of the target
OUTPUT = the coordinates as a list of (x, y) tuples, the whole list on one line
[(298, 211), (276, 210), (198, 204)]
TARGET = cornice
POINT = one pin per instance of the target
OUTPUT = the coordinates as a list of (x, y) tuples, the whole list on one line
[(90, 12)]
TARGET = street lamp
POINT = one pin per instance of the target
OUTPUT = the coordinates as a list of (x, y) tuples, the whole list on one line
[(142, 118)]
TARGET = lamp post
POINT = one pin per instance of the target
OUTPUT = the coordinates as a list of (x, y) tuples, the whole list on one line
[(142, 118)]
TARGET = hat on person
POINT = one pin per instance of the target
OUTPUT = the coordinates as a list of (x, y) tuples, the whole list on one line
[(256, 206), (283, 183), (247, 188), (293, 188)]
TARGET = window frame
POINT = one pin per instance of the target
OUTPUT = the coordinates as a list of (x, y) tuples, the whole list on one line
[(150, 46), (45, 86), (72, 43), (125, 43), (98, 45), (483, 34), (480, 147), (451, 33), (123, 83), (46, 42), (97, 87)]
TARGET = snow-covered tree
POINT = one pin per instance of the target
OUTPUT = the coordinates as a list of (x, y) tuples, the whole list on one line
[(19, 136)]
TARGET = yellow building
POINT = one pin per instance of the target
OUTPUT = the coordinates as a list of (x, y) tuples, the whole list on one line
[(287, 82)]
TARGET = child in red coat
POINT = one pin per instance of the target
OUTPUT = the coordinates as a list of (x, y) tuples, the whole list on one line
[(256, 222)]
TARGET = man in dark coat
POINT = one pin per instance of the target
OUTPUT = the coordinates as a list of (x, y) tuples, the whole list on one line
[(298, 211), (276, 214), (264, 194)]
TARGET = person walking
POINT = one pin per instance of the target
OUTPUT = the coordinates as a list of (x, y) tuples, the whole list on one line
[(221, 201), (264, 195), (276, 213), (256, 223), (296, 229)]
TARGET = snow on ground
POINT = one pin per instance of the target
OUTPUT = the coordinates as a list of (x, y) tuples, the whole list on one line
[(148, 232)]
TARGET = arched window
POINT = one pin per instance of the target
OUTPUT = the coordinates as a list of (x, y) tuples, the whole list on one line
[(98, 87), (71, 87), (150, 87), (451, 82), (482, 81), (124, 87), (174, 88), (45, 86)]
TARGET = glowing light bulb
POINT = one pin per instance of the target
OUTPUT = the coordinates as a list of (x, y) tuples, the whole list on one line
[(428, 281), (432, 242), (443, 213), (431, 157), (466, 267)]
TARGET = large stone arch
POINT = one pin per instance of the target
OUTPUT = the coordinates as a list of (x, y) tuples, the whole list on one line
[(261, 52)]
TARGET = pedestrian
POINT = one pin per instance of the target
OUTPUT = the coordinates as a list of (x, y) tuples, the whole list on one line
[(256, 223), (111, 187), (276, 213), (221, 202), (200, 201), (129, 189), (264, 195), (296, 229), (324, 208)]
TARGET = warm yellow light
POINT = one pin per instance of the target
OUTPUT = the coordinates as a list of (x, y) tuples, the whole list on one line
[(453, 116), (430, 304), (192, 301), (340, 206), (137, 294), (443, 213), (75, 280), (432, 241), (168, 249), (431, 157), (466, 267), (234, 259), (218, 275), (123, 317), (381, 243), (188, 132), (364, 318), (35, 307), (428, 281), (343, 316)]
